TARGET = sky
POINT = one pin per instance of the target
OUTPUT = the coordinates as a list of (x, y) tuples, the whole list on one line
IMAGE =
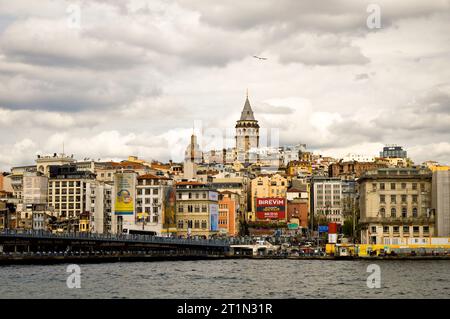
[(109, 79)]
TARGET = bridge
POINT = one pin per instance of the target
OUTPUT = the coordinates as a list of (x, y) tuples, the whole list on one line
[(39, 246)]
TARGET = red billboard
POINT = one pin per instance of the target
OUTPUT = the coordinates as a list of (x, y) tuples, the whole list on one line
[(271, 208)]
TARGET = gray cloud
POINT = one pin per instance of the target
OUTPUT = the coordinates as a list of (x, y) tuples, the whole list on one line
[(137, 75)]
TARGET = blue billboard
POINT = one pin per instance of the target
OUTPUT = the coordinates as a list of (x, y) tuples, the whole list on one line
[(323, 229), (214, 217)]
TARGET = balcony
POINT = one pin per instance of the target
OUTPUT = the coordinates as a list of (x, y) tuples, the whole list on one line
[(421, 220)]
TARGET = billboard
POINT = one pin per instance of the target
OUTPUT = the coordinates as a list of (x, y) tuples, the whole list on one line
[(323, 229), (124, 189), (169, 202), (214, 216), (332, 238), (271, 208)]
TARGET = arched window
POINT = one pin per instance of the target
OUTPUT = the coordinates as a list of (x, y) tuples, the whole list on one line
[(393, 212), (404, 212)]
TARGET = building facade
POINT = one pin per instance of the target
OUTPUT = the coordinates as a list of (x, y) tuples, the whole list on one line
[(395, 204), (267, 186), (327, 199), (150, 191), (228, 213), (393, 151), (197, 210), (67, 194), (441, 200)]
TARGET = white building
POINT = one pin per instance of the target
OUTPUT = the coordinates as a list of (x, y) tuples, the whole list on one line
[(358, 158), (327, 195), (150, 192)]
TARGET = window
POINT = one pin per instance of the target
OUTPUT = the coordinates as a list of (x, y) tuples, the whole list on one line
[(392, 186), (426, 229), (180, 224), (382, 199), (396, 229), (414, 186), (382, 186), (197, 208), (404, 198), (422, 187), (404, 212), (189, 224), (403, 185), (197, 224), (414, 198), (416, 229), (382, 212), (393, 212), (373, 229), (204, 208), (406, 230), (393, 199), (386, 229), (180, 208), (155, 191), (414, 211), (204, 224), (190, 208)]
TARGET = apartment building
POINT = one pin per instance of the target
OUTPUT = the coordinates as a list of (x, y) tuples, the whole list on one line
[(327, 199), (228, 213), (67, 193), (267, 186), (197, 209), (150, 192)]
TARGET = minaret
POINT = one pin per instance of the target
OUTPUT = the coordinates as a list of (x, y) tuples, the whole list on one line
[(247, 134)]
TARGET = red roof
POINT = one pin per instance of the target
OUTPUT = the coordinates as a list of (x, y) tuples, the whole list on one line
[(151, 176), (190, 183)]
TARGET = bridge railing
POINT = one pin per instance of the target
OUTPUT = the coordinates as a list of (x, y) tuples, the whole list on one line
[(113, 237)]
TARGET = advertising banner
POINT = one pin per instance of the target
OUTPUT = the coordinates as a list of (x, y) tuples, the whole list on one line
[(124, 187), (323, 229), (169, 202), (270, 208), (214, 216)]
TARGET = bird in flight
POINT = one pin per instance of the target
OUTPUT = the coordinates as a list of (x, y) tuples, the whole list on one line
[(257, 57)]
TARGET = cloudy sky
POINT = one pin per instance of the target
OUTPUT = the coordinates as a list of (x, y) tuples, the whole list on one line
[(118, 78)]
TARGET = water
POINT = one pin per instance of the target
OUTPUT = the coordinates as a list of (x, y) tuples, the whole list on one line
[(231, 279)]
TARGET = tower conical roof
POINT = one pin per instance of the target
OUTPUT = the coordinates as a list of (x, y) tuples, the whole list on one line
[(247, 112)]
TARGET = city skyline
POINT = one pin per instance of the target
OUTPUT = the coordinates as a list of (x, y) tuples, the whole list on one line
[(328, 81)]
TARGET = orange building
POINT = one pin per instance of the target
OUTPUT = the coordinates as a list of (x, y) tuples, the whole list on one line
[(228, 208)]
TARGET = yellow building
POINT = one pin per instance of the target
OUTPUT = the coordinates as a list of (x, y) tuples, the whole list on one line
[(395, 204), (266, 186), (197, 209), (295, 168)]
